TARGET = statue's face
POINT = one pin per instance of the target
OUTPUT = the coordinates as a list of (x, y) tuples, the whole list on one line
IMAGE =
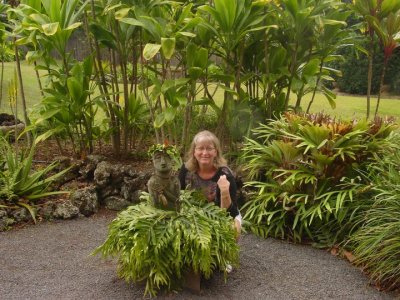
[(162, 162)]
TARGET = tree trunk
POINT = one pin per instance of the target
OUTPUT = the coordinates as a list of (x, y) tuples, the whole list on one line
[(316, 86), (1, 81), (22, 92), (381, 85), (292, 70), (370, 63), (38, 79), (103, 88)]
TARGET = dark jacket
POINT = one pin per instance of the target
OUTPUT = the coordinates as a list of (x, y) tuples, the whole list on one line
[(191, 180)]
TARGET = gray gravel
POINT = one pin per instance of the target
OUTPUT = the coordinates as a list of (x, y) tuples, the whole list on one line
[(51, 261)]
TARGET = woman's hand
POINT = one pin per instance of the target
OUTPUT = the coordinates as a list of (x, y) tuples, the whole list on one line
[(223, 185)]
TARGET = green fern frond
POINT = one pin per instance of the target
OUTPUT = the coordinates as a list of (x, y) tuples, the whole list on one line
[(160, 246)]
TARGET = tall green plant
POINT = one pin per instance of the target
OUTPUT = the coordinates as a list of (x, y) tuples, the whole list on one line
[(230, 22), (376, 245), (388, 31)]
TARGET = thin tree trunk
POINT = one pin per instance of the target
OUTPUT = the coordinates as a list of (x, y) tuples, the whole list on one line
[(38, 79), (292, 66), (22, 92), (370, 63), (103, 84), (381, 85), (1, 81), (316, 86)]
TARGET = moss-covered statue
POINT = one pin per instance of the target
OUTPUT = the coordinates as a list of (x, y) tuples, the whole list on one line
[(163, 186)]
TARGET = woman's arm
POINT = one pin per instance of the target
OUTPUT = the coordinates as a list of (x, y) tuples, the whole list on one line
[(182, 176), (227, 192)]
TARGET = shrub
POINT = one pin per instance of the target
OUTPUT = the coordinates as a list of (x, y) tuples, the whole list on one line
[(355, 71), (19, 184), (377, 243), (159, 246), (301, 169)]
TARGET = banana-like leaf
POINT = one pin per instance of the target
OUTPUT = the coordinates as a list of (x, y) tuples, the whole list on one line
[(50, 28), (150, 50), (168, 47)]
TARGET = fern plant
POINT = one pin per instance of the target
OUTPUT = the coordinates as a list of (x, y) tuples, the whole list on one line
[(301, 169), (159, 246)]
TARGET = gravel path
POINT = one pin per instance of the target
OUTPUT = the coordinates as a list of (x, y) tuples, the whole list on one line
[(51, 261)]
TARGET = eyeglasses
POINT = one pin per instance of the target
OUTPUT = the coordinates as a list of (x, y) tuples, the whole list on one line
[(207, 149)]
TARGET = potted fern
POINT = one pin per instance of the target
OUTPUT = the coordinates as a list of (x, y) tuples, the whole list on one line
[(160, 246)]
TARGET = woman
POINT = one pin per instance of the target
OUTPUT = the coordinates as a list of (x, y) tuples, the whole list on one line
[(206, 170)]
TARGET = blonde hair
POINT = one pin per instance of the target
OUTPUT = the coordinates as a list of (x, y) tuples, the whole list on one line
[(207, 136)]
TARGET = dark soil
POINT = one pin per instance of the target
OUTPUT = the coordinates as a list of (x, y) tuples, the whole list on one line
[(7, 120)]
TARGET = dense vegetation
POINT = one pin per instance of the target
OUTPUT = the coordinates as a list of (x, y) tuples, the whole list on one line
[(166, 69), (329, 182)]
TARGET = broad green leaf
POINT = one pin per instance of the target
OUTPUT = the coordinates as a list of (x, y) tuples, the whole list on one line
[(195, 72), (132, 21), (278, 58), (48, 133), (159, 121), (190, 54), (74, 26), (122, 13), (312, 67), (74, 88), (187, 34), (168, 47), (201, 58), (150, 50), (50, 28), (170, 113)]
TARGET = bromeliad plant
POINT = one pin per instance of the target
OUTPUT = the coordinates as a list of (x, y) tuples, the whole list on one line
[(20, 185), (160, 246), (301, 167)]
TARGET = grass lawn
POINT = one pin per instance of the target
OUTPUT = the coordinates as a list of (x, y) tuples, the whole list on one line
[(347, 107)]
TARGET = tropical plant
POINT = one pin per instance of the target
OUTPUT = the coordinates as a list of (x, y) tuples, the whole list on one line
[(230, 23), (159, 246), (68, 109), (376, 244), (388, 31), (301, 168), (20, 185)]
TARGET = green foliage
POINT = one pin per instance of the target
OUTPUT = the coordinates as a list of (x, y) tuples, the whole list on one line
[(302, 167), (354, 72), (19, 184), (160, 246), (376, 244)]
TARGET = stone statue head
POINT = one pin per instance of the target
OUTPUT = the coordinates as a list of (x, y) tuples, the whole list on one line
[(164, 189), (162, 162), (163, 157)]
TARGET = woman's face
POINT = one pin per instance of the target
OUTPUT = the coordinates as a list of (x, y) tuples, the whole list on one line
[(205, 153)]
